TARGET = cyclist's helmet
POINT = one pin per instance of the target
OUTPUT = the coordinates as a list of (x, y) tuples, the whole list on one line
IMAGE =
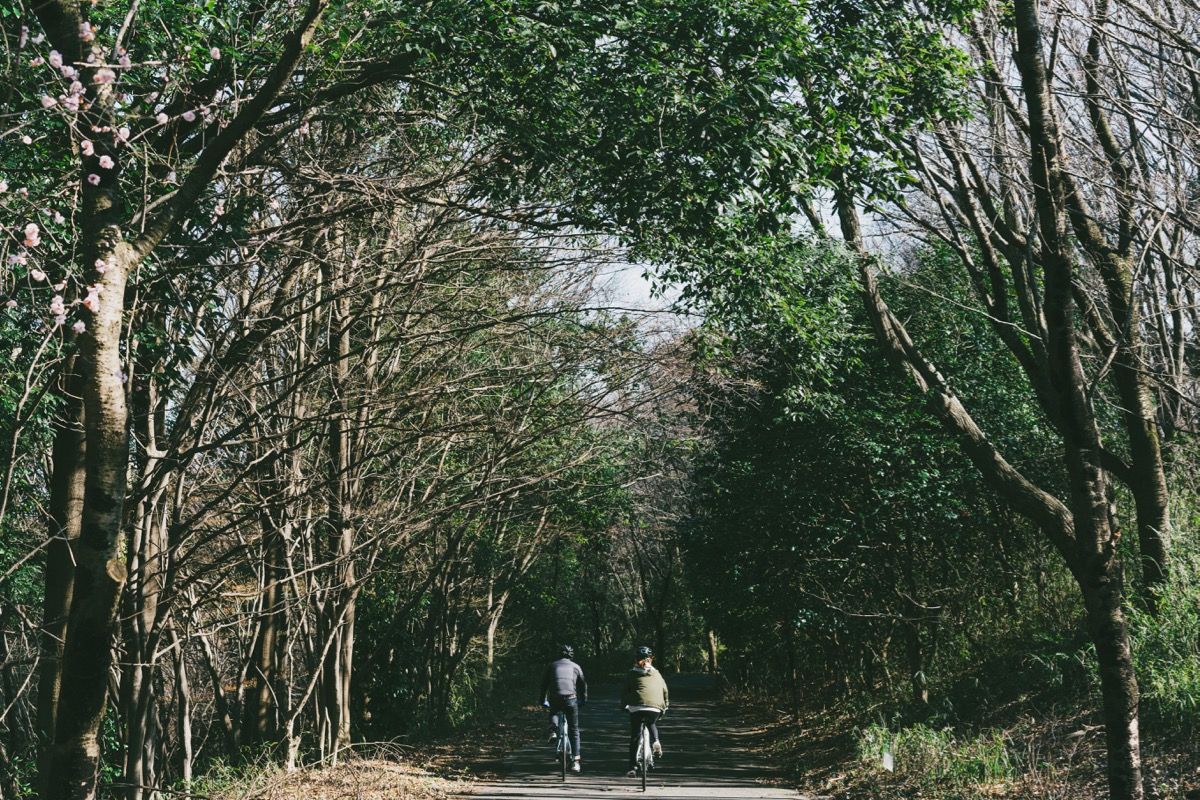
[(644, 652), (567, 651)]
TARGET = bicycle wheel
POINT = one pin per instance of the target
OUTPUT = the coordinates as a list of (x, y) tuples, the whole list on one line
[(644, 754), (563, 747)]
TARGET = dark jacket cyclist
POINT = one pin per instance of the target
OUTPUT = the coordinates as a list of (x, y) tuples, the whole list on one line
[(563, 691), (644, 696)]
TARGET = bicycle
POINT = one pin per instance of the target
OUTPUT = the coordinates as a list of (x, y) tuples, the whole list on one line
[(645, 753)]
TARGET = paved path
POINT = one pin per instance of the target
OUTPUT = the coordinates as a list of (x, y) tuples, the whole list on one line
[(705, 757)]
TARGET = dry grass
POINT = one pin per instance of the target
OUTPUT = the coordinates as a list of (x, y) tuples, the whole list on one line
[(357, 778), (429, 771)]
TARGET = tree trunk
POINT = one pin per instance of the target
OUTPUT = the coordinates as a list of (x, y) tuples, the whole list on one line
[(260, 716), (340, 659), (66, 514), (183, 710), (100, 569), (1109, 631)]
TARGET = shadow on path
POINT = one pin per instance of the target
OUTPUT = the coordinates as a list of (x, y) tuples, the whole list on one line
[(706, 756)]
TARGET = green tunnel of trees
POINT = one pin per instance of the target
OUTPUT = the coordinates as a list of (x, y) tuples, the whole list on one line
[(323, 411)]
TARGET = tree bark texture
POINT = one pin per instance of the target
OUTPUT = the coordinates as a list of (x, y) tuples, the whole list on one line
[(66, 513)]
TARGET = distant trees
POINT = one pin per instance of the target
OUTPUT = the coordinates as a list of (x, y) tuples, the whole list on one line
[(838, 537)]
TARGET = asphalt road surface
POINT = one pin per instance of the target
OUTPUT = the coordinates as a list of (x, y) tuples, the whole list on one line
[(705, 756)]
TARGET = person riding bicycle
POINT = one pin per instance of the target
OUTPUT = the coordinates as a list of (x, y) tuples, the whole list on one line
[(564, 691), (644, 696)]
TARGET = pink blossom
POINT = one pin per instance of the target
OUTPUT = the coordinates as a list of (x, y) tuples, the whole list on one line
[(86, 147), (33, 236), (76, 88), (11, 304), (172, 177), (18, 258), (48, 101), (125, 61), (58, 287), (161, 118), (56, 59), (123, 134), (36, 61), (24, 37), (3, 186), (56, 305), (189, 116), (27, 139), (103, 266), (106, 162), (79, 327), (93, 179), (71, 102), (104, 75), (38, 39), (69, 72), (92, 301), (37, 274), (59, 219), (220, 208), (215, 54), (59, 319), (86, 33)]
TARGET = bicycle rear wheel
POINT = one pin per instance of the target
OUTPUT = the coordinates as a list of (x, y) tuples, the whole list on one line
[(644, 754), (564, 746)]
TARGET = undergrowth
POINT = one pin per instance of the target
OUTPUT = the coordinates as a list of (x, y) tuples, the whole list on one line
[(938, 758)]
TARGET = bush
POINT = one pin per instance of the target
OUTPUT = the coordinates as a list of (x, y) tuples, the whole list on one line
[(938, 757)]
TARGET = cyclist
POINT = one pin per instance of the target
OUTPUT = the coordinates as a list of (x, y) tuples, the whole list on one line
[(564, 691), (644, 696)]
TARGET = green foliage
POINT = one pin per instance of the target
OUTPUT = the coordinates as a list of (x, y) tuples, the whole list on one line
[(939, 759), (1166, 647), (839, 534)]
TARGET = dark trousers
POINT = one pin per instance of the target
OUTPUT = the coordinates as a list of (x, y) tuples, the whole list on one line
[(636, 718), (570, 707)]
